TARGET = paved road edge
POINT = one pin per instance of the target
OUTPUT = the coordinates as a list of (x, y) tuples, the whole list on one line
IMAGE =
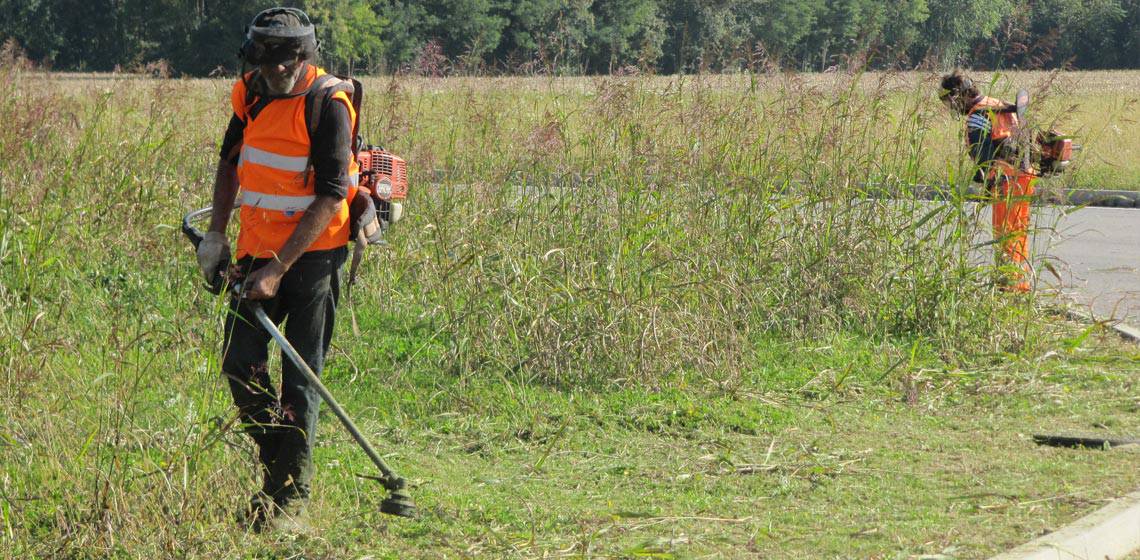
[(1045, 196)]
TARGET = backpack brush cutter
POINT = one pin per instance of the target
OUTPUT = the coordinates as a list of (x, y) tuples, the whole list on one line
[(398, 502), (1046, 152)]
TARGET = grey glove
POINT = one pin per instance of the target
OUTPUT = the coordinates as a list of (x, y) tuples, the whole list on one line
[(213, 254)]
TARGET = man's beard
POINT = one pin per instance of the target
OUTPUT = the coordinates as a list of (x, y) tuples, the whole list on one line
[(281, 84)]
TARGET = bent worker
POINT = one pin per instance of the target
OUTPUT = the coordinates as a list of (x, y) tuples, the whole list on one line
[(990, 128), (294, 226)]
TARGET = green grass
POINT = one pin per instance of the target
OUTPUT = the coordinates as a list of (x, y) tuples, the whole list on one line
[(701, 344), (819, 457)]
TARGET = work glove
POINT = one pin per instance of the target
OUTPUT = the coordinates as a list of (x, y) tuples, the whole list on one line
[(213, 254)]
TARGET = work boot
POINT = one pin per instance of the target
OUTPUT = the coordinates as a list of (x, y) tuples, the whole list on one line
[(290, 518), (254, 515)]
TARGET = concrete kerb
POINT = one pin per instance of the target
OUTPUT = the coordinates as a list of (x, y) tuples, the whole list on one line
[(1109, 533), (1128, 332), (1045, 196), (1104, 199)]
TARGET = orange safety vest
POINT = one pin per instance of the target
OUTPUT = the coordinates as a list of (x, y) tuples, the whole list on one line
[(276, 175), (1003, 124), (1002, 121)]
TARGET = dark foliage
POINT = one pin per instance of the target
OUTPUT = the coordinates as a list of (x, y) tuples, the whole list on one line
[(200, 37)]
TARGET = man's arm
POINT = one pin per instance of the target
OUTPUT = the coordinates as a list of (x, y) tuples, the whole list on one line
[(225, 195), (214, 249), (225, 178), (982, 148)]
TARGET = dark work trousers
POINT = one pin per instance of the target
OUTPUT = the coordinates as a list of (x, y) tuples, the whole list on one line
[(283, 422)]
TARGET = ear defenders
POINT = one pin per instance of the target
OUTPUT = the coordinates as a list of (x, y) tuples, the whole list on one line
[(265, 42), (966, 84)]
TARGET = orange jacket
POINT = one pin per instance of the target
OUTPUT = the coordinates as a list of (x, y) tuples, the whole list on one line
[(276, 176), (1002, 122)]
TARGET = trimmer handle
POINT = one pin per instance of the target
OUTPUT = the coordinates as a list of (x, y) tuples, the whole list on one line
[(195, 235), (192, 233)]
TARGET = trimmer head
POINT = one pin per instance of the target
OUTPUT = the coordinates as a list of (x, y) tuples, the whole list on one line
[(398, 502)]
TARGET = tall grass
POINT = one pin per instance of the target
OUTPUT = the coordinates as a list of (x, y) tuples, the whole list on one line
[(589, 233), (602, 231), (627, 229)]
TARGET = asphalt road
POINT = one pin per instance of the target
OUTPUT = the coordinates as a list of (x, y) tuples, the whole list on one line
[(1097, 253)]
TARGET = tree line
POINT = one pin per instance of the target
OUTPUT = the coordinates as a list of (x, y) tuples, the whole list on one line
[(201, 37)]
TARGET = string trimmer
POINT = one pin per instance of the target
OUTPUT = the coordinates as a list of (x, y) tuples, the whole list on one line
[(398, 502)]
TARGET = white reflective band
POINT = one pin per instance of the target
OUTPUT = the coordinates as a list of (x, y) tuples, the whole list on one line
[(277, 202), (354, 179), (276, 161)]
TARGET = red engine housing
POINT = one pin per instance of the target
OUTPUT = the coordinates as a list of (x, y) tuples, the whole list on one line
[(1056, 153), (383, 173)]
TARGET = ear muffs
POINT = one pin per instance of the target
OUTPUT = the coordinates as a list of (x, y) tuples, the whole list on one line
[(966, 85), (250, 52)]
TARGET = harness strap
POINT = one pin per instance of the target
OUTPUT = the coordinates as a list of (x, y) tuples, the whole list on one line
[(357, 256), (323, 87)]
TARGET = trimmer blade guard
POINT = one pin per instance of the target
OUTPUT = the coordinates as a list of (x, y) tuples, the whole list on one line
[(398, 503)]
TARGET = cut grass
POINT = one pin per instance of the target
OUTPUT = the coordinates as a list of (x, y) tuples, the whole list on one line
[(932, 462)]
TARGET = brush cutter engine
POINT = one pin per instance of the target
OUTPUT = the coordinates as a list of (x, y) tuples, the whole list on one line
[(1055, 152), (379, 200), (1047, 152)]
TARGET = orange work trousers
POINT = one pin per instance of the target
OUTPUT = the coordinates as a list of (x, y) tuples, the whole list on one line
[(1013, 190)]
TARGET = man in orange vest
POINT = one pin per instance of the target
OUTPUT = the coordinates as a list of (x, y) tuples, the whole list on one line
[(990, 137), (290, 249)]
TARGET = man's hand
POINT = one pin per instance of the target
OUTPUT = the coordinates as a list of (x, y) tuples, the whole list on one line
[(263, 282), (213, 254)]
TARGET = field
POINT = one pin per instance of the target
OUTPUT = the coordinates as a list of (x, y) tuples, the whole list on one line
[(625, 317)]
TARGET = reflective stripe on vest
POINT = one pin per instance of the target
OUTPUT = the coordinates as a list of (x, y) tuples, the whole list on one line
[(276, 161), (284, 163), (278, 202)]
